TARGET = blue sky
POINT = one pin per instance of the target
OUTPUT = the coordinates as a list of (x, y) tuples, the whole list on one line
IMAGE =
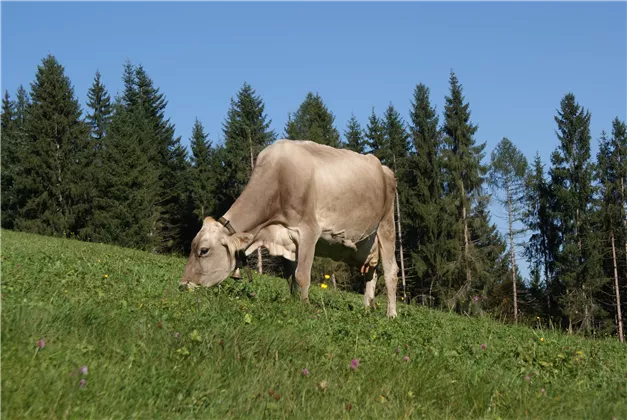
[(514, 60)]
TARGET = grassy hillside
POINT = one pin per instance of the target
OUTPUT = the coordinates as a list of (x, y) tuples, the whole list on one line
[(239, 350)]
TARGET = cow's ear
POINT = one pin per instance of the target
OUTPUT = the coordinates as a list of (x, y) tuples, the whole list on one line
[(240, 240)]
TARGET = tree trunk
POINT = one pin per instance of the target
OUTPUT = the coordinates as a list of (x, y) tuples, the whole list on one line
[(252, 167), (466, 237), (400, 237), (622, 194), (512, 252), (619, 314), (400, 245)]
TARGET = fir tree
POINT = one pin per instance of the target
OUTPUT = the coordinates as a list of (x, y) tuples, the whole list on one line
[(313, 121), (56, 156), (354, 136)]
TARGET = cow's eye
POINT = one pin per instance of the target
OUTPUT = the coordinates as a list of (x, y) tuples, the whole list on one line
[(203, 251)]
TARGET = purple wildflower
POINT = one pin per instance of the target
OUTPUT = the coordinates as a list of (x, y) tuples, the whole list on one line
[(475, 298), (543, 391), (83, 383), (84, 370), (527, 378), (176, 334), (406, 358), (354, 364), (483, 346), (41, 343), (305, 372)]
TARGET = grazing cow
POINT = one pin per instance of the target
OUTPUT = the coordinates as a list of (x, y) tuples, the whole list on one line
[(305, 199)]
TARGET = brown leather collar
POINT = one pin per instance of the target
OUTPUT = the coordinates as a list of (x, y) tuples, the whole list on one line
[(226, 224)]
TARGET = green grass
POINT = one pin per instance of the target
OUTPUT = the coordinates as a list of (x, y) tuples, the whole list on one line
[(241, 348)]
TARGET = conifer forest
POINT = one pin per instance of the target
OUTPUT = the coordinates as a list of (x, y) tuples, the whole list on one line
[(114, 171)]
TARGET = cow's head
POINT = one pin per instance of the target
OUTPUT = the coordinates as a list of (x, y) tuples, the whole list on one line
[(213, 254)]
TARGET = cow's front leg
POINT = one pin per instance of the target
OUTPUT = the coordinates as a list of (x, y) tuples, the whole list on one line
[(289, 271), (306, 250), (371, 284)]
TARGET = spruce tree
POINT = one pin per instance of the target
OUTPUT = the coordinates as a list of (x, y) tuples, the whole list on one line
[(611, 173), (22, 103), (246, 132), (490, 274), (465, 176), (540, 249), (8, 111), (619, 145), (56, 156), (507, 176), (354, 136), (128, 183), (578, 265), (426, 225), (166, 157), (203, 179), (397, 140), (313, 121), (99, 118), (13, 148), (376, 139), (198, 198), (9, 161)]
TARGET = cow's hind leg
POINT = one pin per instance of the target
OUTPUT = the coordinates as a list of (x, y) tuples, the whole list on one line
[(387, 247), (371, 283)]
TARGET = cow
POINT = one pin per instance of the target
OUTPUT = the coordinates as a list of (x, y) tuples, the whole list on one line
[(305, 199)]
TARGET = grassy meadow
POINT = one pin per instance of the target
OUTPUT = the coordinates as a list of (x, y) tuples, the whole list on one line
[(96, 331)]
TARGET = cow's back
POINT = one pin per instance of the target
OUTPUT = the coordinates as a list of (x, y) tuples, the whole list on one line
[(346, 191)]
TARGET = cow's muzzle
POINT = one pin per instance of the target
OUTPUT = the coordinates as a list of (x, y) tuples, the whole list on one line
[(184, 286)]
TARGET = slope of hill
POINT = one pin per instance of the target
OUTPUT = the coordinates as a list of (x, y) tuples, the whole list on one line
[(95, 331)]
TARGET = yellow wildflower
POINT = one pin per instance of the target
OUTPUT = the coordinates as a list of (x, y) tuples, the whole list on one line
[(326, 276), (106, 276), (98, 260), (538, 318), (324, 285), (579, 352), (541, 338)]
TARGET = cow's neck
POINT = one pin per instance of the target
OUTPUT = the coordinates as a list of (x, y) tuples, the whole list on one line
[(246, 217)]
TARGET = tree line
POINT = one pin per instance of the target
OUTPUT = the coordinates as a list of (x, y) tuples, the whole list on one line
[(117, 173)]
